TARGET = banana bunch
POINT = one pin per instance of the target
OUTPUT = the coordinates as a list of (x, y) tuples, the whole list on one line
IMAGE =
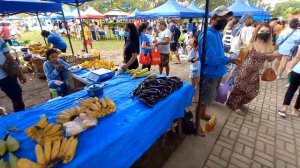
[(95, 107), (44, 131), (210, 125), (38, 48), (52, 153), (97, 64), (138, 73), (9, 144), (68, 115), (59, 150)]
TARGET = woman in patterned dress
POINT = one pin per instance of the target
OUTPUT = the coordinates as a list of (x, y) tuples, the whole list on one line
[(246, 86)]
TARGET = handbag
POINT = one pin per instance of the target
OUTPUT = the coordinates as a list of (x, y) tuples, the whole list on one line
[(145, 59), (294, 50), (269, 75), (10, 68), (222, 93), (155, 58)]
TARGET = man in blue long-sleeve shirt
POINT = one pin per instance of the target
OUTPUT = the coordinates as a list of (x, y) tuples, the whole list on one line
[(215, 59)]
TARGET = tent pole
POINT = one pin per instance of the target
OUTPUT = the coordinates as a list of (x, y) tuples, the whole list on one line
[(68, 34), (37, 15), (82, 31), (198, 108)]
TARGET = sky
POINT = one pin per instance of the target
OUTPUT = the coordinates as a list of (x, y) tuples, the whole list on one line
[(273, 2)]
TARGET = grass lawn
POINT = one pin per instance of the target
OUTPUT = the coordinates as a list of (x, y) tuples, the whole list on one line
[(102, 45)]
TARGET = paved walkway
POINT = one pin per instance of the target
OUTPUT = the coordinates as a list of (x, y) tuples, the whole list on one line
[(261, 138)]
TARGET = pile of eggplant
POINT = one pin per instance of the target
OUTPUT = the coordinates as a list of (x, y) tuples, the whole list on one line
[(152, 90)]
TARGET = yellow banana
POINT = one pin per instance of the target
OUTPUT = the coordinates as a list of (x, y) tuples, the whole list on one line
[(53, 130), (55, 150), (25, 163), (47, 150), (62, 148), (94, 107), (58, 133), (39, 154), (48, 127), (67, 146), (103, 103), (71, 151), (42, 123)]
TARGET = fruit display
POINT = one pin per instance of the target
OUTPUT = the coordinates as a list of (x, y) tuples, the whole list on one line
[(138, 73), (69, 115), (95, 107), (210, 125), (44, 131), (51, 153), (38, 48), (152, 90), (97, 64)]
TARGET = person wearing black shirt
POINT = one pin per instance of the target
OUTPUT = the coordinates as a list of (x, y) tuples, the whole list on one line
[(174, 41), (131, 48)]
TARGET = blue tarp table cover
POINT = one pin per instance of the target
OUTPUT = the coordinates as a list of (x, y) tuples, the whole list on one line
[(119, 139)]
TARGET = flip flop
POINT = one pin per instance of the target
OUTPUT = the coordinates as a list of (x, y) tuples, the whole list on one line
[(281, 113), (206, 117)]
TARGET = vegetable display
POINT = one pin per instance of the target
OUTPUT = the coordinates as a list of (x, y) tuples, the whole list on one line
[(152, 90)]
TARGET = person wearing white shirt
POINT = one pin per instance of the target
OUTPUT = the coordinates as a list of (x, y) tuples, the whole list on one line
[(294, 69), (193, 58), (163, 46), (242, 33)]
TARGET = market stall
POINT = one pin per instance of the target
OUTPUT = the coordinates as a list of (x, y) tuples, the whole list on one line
[(170, 8), (118, 139)]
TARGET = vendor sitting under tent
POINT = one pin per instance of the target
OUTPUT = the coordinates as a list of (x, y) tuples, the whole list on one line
[(55, 40), (56, 71)]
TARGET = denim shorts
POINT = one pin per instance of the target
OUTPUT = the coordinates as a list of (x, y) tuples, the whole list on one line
[(194, 74)]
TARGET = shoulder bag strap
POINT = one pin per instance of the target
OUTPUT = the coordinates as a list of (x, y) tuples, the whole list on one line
[(287, 37)]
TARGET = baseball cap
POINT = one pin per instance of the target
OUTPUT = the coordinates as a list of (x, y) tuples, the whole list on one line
[(221, 11)]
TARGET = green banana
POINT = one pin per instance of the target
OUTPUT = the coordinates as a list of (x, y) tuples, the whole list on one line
[(11, 143), (12, 161), (3, 164), (3, 148)]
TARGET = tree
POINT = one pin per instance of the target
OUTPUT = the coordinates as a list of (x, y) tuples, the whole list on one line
[(284, 9)]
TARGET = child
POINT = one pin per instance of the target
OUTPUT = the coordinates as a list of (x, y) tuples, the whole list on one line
[(194, 67)]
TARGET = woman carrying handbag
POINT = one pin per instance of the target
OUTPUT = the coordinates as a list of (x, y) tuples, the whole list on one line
[(145, 48), (293, 87), (246, 86), (9, 72)]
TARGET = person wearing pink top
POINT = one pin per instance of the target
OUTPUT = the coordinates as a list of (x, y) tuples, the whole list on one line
[(5, 33)]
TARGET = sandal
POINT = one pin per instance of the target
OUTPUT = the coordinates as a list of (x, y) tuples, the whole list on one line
[(206, 117), (281, 113)]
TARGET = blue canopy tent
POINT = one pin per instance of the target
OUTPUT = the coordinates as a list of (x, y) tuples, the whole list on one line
[(11, 7), (28, 6), (264, 14), (239, 8), (134, 14), (194, 7), (170, 9)]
